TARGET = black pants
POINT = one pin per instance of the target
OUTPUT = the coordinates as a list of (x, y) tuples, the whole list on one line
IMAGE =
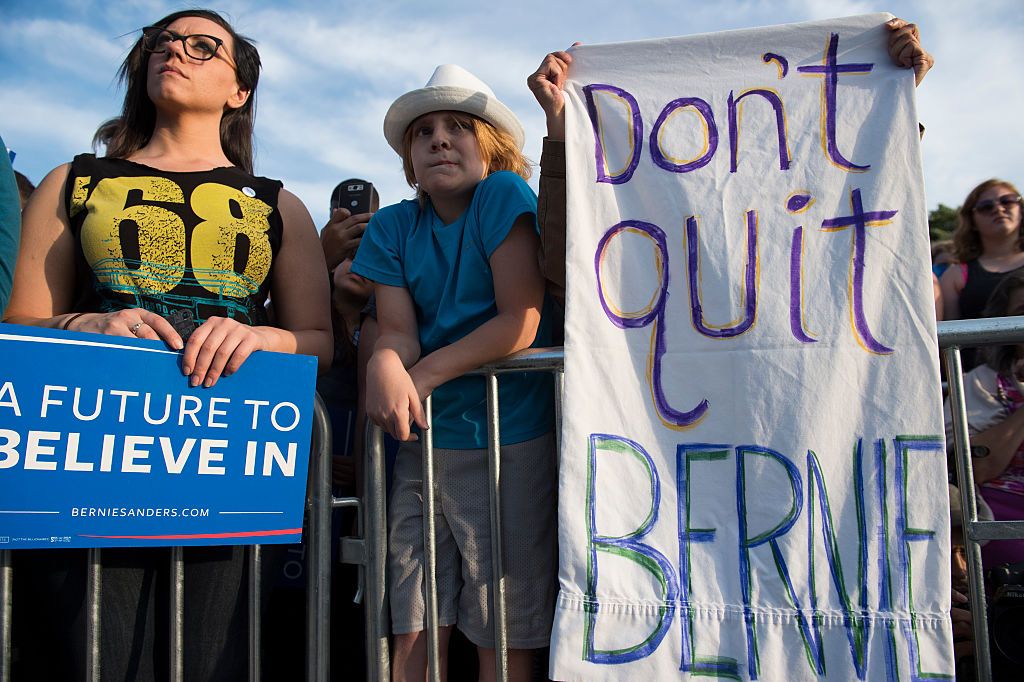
[(50, 615)]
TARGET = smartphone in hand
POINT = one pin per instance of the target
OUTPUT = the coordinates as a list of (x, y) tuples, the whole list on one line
[(354, 195)]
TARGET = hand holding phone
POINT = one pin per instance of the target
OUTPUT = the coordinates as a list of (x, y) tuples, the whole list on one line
[(352, 205), (341, 235)]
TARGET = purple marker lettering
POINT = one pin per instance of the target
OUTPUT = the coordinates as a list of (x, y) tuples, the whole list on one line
[(780, 61), (653, 314), (636, 127), (780, 125), (859, 221), (829, 71), (710, 129), (796, 317), (749, 315)]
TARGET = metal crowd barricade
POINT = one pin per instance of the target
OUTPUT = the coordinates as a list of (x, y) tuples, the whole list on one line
[(953, 336), (378, 663), (318, 605)]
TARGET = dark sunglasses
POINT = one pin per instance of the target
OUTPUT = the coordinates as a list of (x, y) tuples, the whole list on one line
[(989, 205), (197, 46)]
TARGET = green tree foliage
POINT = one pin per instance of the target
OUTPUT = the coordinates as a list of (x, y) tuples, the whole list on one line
[(942, 222)]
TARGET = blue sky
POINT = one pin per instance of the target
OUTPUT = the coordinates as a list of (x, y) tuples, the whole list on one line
[(331, 69)]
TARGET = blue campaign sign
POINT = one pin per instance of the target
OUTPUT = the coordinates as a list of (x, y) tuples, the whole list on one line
[(104, 444)]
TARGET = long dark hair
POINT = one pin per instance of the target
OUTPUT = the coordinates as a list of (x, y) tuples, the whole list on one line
[(1003, 359), (133, 130)]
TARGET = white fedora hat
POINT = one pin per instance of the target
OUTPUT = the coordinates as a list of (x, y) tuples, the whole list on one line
[(451, 88)]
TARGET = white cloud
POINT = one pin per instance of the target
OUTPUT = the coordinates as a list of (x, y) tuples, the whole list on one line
[(75, 49), (39, 114), (825, 9)]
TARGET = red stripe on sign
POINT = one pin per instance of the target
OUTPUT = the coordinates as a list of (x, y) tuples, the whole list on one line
[(199, 536)]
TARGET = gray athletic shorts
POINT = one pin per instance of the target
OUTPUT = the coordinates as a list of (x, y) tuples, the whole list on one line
[(528, 495)]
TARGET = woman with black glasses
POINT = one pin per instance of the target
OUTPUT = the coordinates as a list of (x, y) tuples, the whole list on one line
[(170, 236)]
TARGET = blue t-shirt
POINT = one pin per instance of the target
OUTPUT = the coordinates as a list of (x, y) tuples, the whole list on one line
[(447, 270)]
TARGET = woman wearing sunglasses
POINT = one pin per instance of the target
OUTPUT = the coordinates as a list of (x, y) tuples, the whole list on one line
[(169, 237), (989, 244)]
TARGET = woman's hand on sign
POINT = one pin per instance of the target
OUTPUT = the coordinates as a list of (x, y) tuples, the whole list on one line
[(341, 235), (906, 50), (218, 347), (547, 84), (392, 399), (137, 322)]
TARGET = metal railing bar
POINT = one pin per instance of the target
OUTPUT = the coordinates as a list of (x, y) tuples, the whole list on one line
[(996, 530), (255, 615), (93, 629), (989, 331), (318, 585), (498, 613), (378, 663), (6, 602), (965, 480), (430, 550), (531, 359), (354, 549), (176, 641)]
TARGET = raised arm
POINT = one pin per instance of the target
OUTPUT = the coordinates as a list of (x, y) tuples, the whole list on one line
[(547, 84)]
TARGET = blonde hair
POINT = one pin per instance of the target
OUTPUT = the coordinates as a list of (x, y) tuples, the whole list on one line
[(497, 149), (966, 240)]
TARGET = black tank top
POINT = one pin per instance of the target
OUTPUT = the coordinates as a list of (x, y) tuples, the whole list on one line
[(978, 288), (973, 299), (185, 245)]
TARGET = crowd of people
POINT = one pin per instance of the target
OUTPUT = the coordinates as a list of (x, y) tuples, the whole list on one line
[(396, 304)]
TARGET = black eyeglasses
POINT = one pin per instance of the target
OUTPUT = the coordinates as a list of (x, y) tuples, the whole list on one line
[(197, 46), (989, 205)]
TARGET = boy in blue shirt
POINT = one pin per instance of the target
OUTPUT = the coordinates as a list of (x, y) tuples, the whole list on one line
[(458, 285)]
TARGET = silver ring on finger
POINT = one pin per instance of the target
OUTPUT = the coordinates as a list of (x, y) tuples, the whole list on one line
[(134, 329)]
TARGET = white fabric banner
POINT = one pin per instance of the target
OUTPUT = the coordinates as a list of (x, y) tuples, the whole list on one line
[(753, 471)]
